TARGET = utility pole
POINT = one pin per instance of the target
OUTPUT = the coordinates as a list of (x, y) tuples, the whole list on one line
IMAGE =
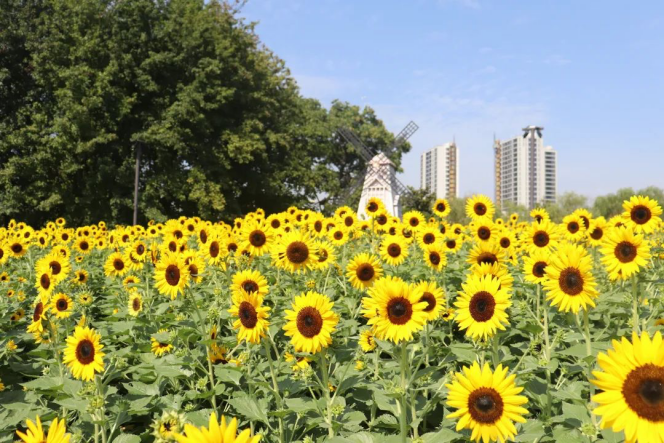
[(138, 166)]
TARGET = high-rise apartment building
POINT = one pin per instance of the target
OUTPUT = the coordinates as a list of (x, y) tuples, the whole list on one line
[(525, 169), (440, 170)]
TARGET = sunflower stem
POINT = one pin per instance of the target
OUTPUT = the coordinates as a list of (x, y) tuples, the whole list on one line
[(403, 415), (201, 326), (275, 387), (635, 304), (589, 352), (547, 350), (494, 351), (102, 412), (326, 390)]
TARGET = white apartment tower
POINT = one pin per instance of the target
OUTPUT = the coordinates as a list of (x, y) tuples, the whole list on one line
[(525, 169), (439, 170)]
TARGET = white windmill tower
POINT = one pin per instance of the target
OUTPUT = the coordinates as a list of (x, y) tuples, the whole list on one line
[(380, 176)]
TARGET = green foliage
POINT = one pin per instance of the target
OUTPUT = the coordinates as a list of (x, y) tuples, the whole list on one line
[(418, 200), (611, 204)]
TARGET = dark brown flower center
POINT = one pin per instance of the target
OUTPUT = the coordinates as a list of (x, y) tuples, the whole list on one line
[(17, 248), (451, 244), (365, 272), (440, 207), (85, 352), (428, 238), (322, 255), (541, 239), (625, 252), (248, 315), (480, 209), (140, 249), (338, 235), (640, 214), (430, 299), (56, 267), (399, 310), (505, 242), (309, 322), (136, 304), (484, 233), (203, 236), (485, 405), (571, 281), (643, 390), (394, 250), (250, 286), (61, 304), (297, 252), (232, 247), (84, 245), (348, 221), (482, 306), (539, 269), (487, 257), (39, 309), (414, 221), (597, 234), (214, 249), (118, 264), (381, 219), (318, 226), (434, 258), (172, 275), (193, 270), (573, 227), (372, 207), (257, 238), (45, 282)]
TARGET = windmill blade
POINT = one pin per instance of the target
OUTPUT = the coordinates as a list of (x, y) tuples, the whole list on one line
[(358, 181), (403, 136), (354, 140)]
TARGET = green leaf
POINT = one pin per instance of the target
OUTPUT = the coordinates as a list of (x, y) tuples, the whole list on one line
[(127, 438), (249, 407), (300, 404), (442, 436), (228, 374)]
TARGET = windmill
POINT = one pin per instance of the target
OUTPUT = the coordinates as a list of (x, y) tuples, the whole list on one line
[(533, 132), (378, 173)]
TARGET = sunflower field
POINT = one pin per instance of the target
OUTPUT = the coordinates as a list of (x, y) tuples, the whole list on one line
[(297, 327)]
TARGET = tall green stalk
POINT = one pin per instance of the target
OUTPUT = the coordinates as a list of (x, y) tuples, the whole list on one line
[(403, 416), (275, 387), (635, 304), (589, 353), (326, 391)]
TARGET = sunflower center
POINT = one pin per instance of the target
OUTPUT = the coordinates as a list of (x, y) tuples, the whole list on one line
[(84, 246), (203, 236), (365, 272), (250, 286), (38, 312), (61, 304), (172, 275), (399, 310), (541, 239), (309, 322), (85, 352), (348, 221), (140, 249), (539, 269), (480, 208), (56, 267), (372, 207), (17, 248), (505, 242), (451, 244), (482, 306), (640, 214), (322, 255), (625, 252), (414, 221), (381, 219), (248, 315), (428, 238), (585, 221), (136, 304), (81, 277), (573, 227), (45, 281), (434, 258), (643, 390), (232, 247), (487, 257), (394, 250), (597, 234), (193, 270), (257, 238), (118, 264), (571, 281), (485, 405), (297, 252), (484, 233), (214, 249), (440, 207), (338, 235), (430, 299)]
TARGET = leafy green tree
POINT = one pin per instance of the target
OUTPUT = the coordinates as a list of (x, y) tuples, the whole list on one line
[(611, 204), (418, 200)]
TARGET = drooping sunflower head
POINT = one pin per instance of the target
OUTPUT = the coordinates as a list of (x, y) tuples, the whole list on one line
[(480, 206), (642, 212), (624, 252), (569, 282), (367, 342), (395, 309), (251, 316), (160, 343), (83, 354), (363, 270), (487, 402), (311, 322), (481, 306)]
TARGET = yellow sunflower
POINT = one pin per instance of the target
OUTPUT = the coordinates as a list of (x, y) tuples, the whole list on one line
[(195, 264), (484, 229), (80, 277), (480, 206), (632, 384), (326, 253), (249, 281), (452, 243), (295, 252), (574, 228), (256, 237), (83, 354), (434, 296), (84, 245), (85, 299), (38, 314), (540, 215), (116, 265), (16, 248), (441, 208), (252, 315), (597, 231), (624, 252), (311, 322), (486, 252), (135, 303), (534, 266), (367, 342), (434, 257), (61, 305), (413, 219), (363, 270), (643, 213), (395, 309), (429, 235), (569, 283), (486, 402), (171, 275), (223, 432), (57, 432), (393, 250), (55, 263), (542, 235), (374, 206), (481, 307), (496, 270), (158, 346)]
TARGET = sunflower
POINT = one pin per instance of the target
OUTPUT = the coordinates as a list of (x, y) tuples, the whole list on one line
[(569, 283), (624, 252), (135, 303), (395, 309), (85, 299), (381, 218), (218, 355), (393, 250), (498, 271), (222, 432), (374, 206), (452, 243), (215, 250), (534, 266), (487, 402), (18, 315), (481, 307), (159, 347), (348, 220), (195, 263), (83, 245), (311, 322), (80, 277), (429, 235), (61, 305), (57, 433), (434, 296), (542, 235), (434, 257), (4, 278), (300, 362), (540, 215), (486, 252), (367, 342), (363, 270), (480, 206), (413, 219), (256, 237), (252, 316), (83, 353), (574, 228), (4, 253), (632, 384), (642, 212), (326, 253), (506, 239), (441, 208), (55, 263), (171, 275), (597, 230), (249, 281), (116, 265), (165, 427), (294, 252), (38, 314), (17, 248), (339, 236)]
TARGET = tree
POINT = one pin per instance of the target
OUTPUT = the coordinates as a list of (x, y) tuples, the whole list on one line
[(418, 200), (611, 204)]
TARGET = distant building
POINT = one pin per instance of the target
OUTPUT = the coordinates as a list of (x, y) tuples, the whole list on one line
[(525, 169), (439, 170)]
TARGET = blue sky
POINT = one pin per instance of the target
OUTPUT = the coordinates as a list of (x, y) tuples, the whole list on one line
[(590, 72)]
